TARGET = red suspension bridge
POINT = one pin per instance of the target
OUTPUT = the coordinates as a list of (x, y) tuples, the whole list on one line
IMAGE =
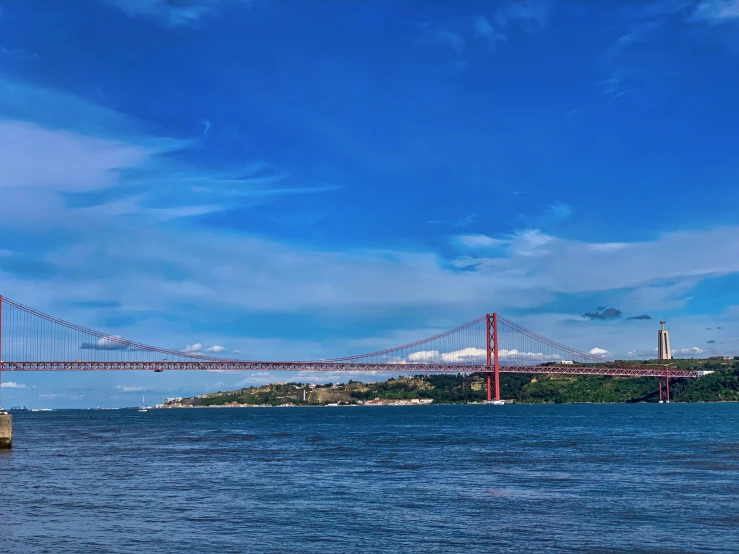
[(34, 341)]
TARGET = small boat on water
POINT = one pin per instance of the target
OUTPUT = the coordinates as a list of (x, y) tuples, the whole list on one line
[(143, 407), (494, 402)]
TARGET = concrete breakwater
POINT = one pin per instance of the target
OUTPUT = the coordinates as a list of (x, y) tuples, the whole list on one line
[(6, 431)]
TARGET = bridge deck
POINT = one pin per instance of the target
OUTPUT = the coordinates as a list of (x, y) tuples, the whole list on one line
[(339, 367)]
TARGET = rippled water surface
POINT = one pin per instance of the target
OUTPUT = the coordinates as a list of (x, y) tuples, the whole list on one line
[(585, 478)]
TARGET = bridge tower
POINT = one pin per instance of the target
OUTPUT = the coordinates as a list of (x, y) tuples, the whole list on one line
[(664, 387), (491, 341), (6, 420), (1, 351)]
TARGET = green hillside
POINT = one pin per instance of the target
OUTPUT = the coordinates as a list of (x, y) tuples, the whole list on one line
[(722, 385)]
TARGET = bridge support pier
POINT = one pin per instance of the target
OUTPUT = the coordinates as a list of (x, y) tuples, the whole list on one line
[(6, 431)]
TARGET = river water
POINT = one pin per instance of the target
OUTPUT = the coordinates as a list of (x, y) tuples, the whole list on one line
[(551, 478)]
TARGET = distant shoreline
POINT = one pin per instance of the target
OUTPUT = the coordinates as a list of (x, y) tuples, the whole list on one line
[(134, 408)]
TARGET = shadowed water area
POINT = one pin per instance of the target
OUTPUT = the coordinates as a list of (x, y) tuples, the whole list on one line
[(547, 478)]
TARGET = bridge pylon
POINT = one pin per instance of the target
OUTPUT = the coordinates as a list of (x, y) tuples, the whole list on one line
[(491, 342), (1, 351), (664, 387)]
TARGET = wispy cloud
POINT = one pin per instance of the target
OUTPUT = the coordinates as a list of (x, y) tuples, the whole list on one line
[(192, 348), (545, 216), (484, 30), (557, 212), (461, 222), (642, 31), (173, 13), (72, 162), (132, 175), (255, 379), (136, 206), (613, 88), (608, 246), (531, 15), (121, 388), (206, 124), (480, 241), (18, 52), (112, 342), (527, 243), (215, 349), (430, 36), (717, 11)]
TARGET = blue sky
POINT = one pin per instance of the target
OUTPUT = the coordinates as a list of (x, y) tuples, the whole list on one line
[(310, 179)]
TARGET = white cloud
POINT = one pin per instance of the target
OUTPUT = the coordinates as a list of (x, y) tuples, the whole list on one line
[(598, 351), (422, 356), (694, 351), (120, 388), (192, 348), (515, 355), (215, 349), (475, 355), (13, 385), (466, 355)]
